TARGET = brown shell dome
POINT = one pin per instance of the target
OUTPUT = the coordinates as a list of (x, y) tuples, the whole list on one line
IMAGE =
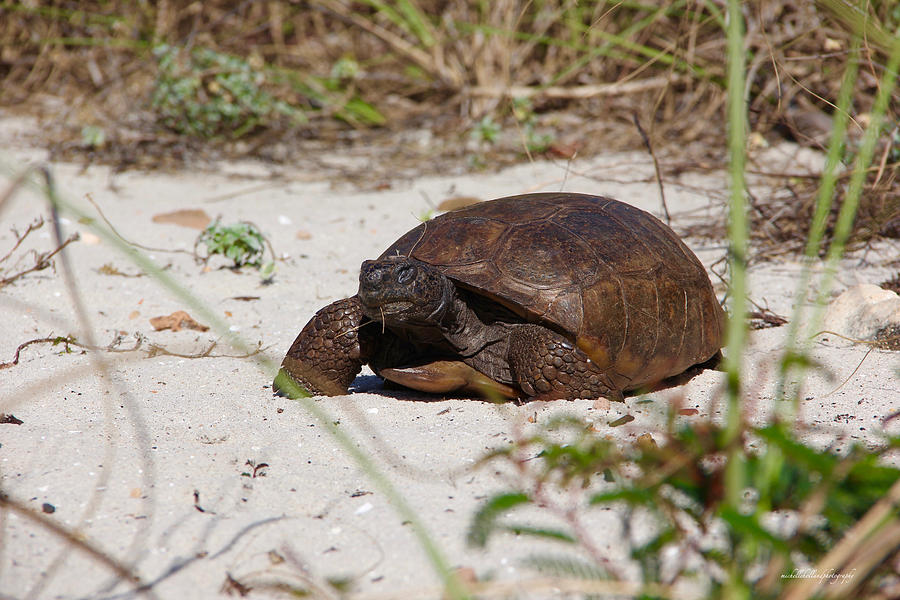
[(611, 277)]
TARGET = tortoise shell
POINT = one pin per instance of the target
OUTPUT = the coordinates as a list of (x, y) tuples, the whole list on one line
[(610, 277)]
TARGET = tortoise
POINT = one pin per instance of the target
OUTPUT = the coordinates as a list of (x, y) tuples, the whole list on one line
[(538, 296)]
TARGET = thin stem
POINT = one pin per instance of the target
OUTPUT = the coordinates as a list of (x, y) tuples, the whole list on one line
[(736, 332), (796, 347)]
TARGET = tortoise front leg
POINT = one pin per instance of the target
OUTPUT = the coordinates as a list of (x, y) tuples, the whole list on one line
[(549, 367), (326, 356)]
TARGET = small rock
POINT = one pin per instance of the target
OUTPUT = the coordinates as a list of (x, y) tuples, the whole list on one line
[(863, 311)]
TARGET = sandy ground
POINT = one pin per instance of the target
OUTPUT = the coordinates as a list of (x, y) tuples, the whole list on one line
[(154, 461)]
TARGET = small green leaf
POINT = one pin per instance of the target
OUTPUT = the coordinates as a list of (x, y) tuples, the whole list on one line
[(565, 566), (541, 532), (485, 520), (267, 270), (363, 112), (748, 525), (632, 496)]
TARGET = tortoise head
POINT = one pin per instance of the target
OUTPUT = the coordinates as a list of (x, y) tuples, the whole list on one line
[(403, 291)]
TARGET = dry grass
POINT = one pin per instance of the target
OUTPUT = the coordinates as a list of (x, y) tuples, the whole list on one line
[(587, 69)]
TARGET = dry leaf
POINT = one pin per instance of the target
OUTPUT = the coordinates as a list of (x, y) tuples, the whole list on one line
[(194, 218), (688, 412), (457, 202), (176, 321), (567, 151), (303, 234), (134, 314)]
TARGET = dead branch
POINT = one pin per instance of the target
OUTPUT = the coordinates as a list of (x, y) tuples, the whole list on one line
[(20, 237), (42, 260), (152, 350), (67, 341), (571, 92)]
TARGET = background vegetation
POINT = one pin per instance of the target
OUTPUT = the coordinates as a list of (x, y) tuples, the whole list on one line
[(150, 84), (495, 81)]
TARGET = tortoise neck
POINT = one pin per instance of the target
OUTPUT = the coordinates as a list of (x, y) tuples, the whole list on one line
[(464, 329)]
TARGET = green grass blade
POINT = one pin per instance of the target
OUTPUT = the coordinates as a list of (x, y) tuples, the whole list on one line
[(591, 54), (407, 17), (485, 520), (417, 22), (736, 333), (847, 213), (547, 533), (636, 53), (796, 347)]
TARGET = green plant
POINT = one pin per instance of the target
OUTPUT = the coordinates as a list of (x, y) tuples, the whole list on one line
[(242, 243), (93, 136), (752, 504), (797, 510), (486, 130), (523, 112), (206, 93)]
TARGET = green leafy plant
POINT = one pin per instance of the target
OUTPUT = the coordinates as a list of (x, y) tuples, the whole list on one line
[(206, 93), (801, 508), (486, 130), (93, 136), (242, 243), (749, 511), (535, 142)]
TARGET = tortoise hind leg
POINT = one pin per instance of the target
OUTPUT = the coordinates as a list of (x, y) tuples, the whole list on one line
[(549, 367), (326, 356)]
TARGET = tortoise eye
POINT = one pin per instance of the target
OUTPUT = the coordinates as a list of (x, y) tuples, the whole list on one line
[(407, 273)]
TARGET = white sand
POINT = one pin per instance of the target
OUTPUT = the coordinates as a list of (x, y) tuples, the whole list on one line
[(122, 458)]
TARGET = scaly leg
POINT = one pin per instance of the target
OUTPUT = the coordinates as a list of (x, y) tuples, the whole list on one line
[(548, 367), (326, 356)]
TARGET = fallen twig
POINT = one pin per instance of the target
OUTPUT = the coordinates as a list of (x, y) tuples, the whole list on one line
[(153, 350), (112, 228), (571, 92), (67, 340), (42, 260)]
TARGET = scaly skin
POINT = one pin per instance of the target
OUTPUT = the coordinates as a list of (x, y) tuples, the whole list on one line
[(327, 355), (548, 367)]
